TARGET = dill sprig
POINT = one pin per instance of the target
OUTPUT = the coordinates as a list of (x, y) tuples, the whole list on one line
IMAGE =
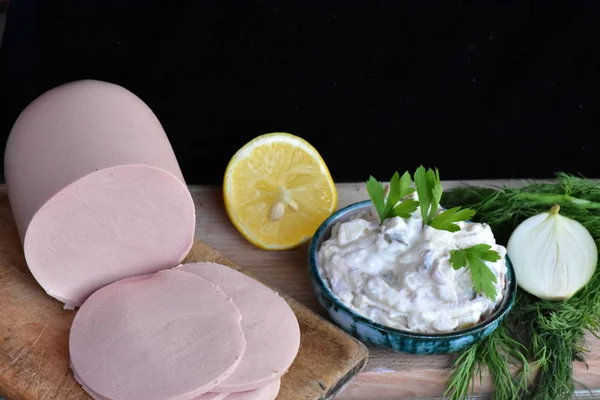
[(548, 334), (498, 352)]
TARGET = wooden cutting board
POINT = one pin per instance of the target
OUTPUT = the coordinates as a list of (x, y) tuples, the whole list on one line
[(34, 334)]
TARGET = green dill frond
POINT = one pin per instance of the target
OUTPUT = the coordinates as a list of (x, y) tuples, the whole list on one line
[(549, 335), (462, 378)]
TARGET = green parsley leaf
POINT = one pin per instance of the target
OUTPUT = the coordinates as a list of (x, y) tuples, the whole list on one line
[(482, 276), (377, 195), (400, 187), (433, 178), (483, 251), (446, 220), (458, 258), (404, 209), (429, 189), (423, 191)]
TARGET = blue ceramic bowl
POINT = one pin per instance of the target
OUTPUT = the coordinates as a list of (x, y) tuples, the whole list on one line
[(379, 335)]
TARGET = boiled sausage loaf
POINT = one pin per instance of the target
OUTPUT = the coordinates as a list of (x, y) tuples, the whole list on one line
[(96, 190)]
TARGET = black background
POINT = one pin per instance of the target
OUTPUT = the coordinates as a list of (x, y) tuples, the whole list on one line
[(480, 89)]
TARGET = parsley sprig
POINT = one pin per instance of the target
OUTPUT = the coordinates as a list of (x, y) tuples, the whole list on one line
[(389, 207), (482, 276), (429, 189)]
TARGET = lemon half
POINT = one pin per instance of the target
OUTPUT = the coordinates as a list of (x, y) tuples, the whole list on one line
[(278, 190)]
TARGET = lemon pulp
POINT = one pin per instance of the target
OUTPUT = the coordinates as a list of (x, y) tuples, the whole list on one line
[(278, 190)]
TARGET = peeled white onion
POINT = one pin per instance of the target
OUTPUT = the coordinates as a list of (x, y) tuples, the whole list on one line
[(553, 256)]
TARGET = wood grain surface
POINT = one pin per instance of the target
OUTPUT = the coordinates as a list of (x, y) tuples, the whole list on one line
[(34, 333)]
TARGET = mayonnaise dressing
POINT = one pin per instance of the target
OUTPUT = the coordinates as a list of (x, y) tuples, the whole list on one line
[(399, 274)]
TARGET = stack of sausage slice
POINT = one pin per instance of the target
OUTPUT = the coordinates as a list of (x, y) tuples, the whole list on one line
[(200, 331)]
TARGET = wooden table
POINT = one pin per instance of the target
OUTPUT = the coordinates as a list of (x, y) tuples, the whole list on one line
[(388, 375)]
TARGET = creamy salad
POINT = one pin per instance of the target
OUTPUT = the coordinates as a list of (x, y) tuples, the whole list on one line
[(399, 275)]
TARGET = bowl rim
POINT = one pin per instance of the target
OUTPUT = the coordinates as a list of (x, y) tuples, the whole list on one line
[(496, 315)]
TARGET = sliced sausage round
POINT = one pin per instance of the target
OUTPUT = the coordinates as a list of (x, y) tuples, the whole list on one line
[(269, 324), (166, 336), (96, 396), (212, 396), (268, 392)]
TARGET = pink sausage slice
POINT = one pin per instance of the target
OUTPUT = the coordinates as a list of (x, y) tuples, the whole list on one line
[(205, 396), (166, 336), (268, 392), (89, 391), (95, 189), (212, 396), (96, 396), (269, 324)]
